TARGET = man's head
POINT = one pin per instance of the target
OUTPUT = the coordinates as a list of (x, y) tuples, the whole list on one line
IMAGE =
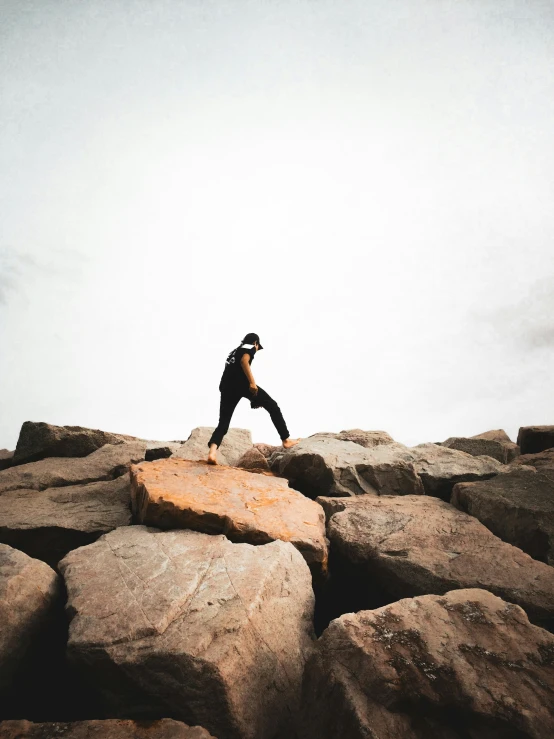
[(252, 339)]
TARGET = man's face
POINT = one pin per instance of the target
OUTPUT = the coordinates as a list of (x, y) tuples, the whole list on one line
[(256, 347)]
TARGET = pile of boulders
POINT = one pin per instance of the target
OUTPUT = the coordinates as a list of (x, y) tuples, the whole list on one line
[(349, 586)]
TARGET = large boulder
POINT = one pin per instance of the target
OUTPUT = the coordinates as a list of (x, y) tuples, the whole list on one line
[(253, 459), (367, 439), (441, 468), (6, 459), (533, 439), (464, 664), (494, 435), (517, 507), (108, 729), (418, 545), (48, 524), (38, 440), (192, 627), (107, 463), (324, 465), (503, 452), (235, 443), (177, 493), (30, 592), (541, 461)]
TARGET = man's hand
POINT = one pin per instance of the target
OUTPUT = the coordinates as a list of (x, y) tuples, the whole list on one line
[(253, 388)]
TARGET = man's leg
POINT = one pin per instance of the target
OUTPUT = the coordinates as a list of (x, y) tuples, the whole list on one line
[(264, 400), (228, 403)]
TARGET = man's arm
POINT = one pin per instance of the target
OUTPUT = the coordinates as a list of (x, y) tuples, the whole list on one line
[(245, 364)]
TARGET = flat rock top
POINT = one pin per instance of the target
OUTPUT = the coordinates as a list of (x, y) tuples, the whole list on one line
[(494, 435), (107, 729), (539, 460), (248, 505), (432, 547), (436, 459), (235, 443), (534, 492), (103, 464), (466, 649)]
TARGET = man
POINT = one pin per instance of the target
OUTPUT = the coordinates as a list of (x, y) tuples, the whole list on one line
[(238, 382)]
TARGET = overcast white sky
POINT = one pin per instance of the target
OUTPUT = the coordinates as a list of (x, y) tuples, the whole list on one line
[(367, 184)]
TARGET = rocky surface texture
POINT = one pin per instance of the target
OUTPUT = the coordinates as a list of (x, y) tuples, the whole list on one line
[(38, 440), (108, 729), (533, 439), (48, 524), (367, 439), (253, 459), (177, 493), (235, 443), (106, 463), (324, 465), (503, 452), (517, 507), (542, 461), (193, 627), (465, 664), (6, 459), (420, 545), (29, 594)]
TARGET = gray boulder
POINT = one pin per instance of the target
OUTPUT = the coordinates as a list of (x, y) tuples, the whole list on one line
[(30, 592), (38, 440), (105, 463), (235, 443), (324, 465), (494, 435), (517, 507), (533, 439), (367, 439), (48, 524), (541, 461), (192, 627), (108, 729), (418, 545), (253, 459), (464, 664), (503, 452)]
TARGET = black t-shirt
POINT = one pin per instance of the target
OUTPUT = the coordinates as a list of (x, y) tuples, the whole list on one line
[(234, 377)]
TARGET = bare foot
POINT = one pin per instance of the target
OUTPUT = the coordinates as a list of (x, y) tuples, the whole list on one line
[(290, 442), (212, 459)]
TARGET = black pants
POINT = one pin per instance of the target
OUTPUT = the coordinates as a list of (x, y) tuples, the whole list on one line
[(229, 401)]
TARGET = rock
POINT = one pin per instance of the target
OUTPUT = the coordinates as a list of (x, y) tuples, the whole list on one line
[(441, 468), (176, 493), (6, 459), (39, 440), (542, 461), (235, 443), (161, 449), (367, 439), (495, 435), (503, 452), (48, 524), (108, 729), (533, 439), (332, 505), (465, 664), (192, 627), (253, 459), (267, 450), (106, 463), (517, 507), (324, 465), (29, 594), (418, 545)]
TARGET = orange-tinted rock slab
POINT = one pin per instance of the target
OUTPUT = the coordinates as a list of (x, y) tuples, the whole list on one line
[(257, 509)]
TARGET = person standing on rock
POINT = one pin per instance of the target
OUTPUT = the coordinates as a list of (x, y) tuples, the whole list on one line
[(238, 382)]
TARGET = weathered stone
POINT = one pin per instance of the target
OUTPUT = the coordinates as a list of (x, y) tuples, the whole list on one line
[(6, 459), (107, 463), (38, 440), (333, 505), (501, 451), (367, 439), (441, 468), (517, 507), (48, 524), (253, 459), (418, 545), (533, 439), (541, 461), (108, 729), (494, 435), (177, 493), (29, 593), (464, 664), (324, 465), (235, 443), (161, 449), (192, 626), (267, 450)]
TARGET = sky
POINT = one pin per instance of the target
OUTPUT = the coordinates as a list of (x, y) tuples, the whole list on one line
[(366, 184)]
